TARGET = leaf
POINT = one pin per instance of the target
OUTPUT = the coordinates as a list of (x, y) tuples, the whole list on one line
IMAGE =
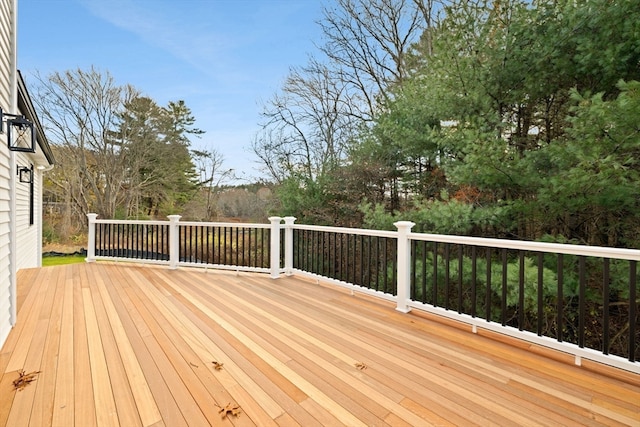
[(24, 379), (230, 410), (217, 365), (361, 366)]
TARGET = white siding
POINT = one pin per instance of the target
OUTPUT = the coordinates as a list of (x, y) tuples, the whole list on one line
[(26, 234), (5, 276), (6, 65)]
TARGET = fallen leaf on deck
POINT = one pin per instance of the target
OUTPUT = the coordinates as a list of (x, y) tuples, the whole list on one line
[(361, 366), (217, 365), (230, 410), (24, 379)]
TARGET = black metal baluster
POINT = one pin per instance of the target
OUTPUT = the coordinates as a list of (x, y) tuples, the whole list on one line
[(154, 242), (447, 265), (560, 302), (98, 242), (503, 299), (225, 245), (487, 296), (126, 238), (324, 253), (242, 249), (304, 250), (434, 289), (605, 305), (134, 240), (361, 240), (109, 240), (459, 278), (394, 269), (114, 240), (260, 247), (379, 266), (521, 290), (149, 254), (250, 249), (313, 251), (473, 280), (354, 256), (255, 248), (540, 294), (302, 256), (199, 241), (370, 263), (581, 300), (633, 310), (237, 229), (414, 279), (220, 245), (208, 231), (347, 254), (424, 272), (384, 264), (119, 252), (296, 248)]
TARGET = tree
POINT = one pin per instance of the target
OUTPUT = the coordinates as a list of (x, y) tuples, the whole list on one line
[(367, 41), (80, 109), (486, 117), (212, 176), (122, 154), (592, 192), (311, 123), (307, 128), (175, 176), (139, 133)]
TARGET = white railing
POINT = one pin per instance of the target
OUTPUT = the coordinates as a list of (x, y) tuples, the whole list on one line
[(345, 256)]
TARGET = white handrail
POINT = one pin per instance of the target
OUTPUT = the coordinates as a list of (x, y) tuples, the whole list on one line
[(557, 248)]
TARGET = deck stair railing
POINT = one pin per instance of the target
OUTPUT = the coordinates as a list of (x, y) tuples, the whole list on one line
[(581, 300)]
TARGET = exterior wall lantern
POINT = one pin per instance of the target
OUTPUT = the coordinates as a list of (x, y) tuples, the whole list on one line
[(25, 174), (20, 133)]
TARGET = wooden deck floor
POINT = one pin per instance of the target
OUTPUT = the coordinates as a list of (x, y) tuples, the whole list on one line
[(134, 345)]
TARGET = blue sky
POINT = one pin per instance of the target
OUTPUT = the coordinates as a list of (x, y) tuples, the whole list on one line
[(222, 57)]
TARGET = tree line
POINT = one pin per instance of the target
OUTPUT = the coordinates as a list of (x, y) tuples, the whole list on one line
[(505, 118), (120, 154), (513, 118)]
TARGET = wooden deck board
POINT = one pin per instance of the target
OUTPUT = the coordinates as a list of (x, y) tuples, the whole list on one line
[(124, 344), (83, 405), (63, 412), (163, 398), (42, 410), (140, 393), (114, 354)]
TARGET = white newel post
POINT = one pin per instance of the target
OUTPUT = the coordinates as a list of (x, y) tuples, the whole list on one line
[(91, 243), (288, 244), (275, 246), (404, 265), (174, 241)]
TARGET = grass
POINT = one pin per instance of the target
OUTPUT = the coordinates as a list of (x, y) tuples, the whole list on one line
[(62, 260)]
